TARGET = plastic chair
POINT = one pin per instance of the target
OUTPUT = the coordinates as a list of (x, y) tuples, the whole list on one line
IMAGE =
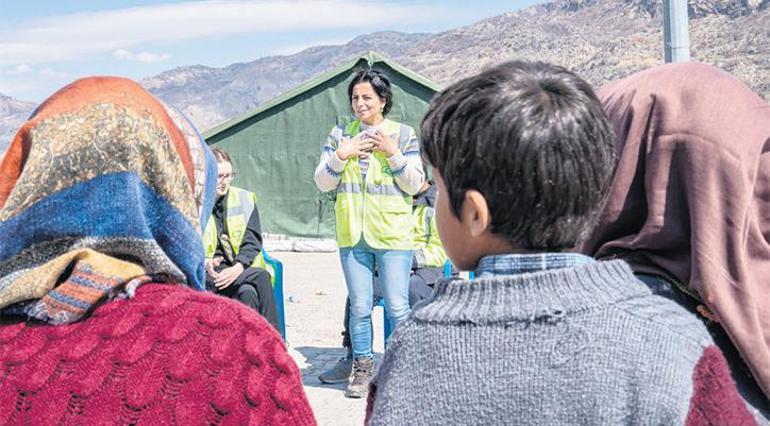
[(277, 273), (448, 267)]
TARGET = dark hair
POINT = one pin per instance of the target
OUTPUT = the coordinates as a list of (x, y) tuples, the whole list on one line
[(221, 155), (379, 82), (534, 140)]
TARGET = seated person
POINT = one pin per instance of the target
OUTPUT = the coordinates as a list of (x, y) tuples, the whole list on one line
[(233, 241), (427, 267), (429, 255), (104, 194), (523, 156), (689, 204)]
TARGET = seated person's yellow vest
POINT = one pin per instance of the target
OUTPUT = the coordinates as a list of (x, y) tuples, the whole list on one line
[(239, 206), (428, 251)]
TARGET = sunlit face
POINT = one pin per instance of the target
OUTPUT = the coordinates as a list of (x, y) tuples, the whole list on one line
[(367, 105), (225, 177), (450, 229)]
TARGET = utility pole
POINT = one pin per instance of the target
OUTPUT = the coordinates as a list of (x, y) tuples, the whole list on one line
[(676, 34)]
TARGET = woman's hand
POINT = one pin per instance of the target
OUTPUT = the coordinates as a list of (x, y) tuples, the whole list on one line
[(384, 143), (228, 276), (360, 145), (210, 264)]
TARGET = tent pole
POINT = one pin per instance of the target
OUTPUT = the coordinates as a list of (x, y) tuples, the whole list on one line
[(675, 32)]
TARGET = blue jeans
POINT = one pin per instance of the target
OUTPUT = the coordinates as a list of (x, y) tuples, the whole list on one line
[(358, 264)]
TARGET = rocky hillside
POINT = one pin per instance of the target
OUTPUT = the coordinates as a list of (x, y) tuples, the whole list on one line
[(600, 39), (212, 95), (604, 39), (13, 113)]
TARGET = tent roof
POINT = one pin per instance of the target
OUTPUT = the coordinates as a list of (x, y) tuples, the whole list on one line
[(370, 57)]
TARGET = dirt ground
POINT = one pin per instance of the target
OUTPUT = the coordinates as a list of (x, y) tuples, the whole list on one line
[(314, 294)]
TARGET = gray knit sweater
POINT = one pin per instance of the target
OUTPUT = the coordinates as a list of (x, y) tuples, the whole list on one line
[(585, 345)]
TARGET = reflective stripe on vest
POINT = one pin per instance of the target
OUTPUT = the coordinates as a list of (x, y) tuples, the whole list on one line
[(382, 189), (239, 206), (376, 209)]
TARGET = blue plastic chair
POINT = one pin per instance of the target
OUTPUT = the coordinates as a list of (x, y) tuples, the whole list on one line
[(277, 267), (448, 270)]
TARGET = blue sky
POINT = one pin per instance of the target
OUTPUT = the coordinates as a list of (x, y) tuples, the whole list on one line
[(46, 44)]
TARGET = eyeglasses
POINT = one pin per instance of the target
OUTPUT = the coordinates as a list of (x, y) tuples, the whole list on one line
[(226, 175)]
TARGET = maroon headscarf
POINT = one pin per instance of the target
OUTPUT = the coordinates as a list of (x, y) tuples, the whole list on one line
[(690, 199)]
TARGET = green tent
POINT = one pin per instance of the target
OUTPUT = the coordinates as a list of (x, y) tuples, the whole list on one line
[(275, 148)]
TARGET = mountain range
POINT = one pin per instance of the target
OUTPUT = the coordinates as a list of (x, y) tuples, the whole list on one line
[(601, 40)]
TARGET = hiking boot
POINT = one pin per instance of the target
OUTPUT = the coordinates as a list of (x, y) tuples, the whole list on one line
[(363, 370), (340, 373)]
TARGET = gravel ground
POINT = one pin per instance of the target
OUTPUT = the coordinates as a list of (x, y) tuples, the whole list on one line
[(314, 294)]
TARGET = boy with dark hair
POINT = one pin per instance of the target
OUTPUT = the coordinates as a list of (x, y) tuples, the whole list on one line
[(523, 156)]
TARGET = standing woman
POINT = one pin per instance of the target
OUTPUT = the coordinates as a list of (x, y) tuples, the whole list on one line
[(374, 164)]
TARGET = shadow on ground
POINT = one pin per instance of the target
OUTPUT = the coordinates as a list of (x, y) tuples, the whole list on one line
[(314, 360)]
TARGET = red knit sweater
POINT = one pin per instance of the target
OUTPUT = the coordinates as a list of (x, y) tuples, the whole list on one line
[(169, 355)]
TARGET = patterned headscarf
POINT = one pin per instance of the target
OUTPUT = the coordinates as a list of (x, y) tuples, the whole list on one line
[(104, 188)]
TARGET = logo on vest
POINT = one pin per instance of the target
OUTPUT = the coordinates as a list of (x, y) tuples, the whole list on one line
[(387, 170)]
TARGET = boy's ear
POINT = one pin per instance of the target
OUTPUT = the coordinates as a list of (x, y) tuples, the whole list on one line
[(475, 213)]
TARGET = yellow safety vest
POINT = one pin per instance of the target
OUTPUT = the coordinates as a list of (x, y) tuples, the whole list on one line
[(239, 206), (428, 250), (377, 209)]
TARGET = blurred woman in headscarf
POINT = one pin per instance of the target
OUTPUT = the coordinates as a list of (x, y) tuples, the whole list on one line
[(689, 207), (104, 193)]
